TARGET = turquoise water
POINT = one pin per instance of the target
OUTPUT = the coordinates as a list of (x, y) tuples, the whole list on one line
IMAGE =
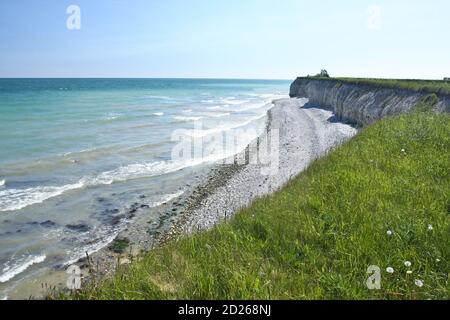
[(76, 154)]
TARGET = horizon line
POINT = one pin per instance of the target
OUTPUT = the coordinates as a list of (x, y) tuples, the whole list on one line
[(156, 78), (215, 78)]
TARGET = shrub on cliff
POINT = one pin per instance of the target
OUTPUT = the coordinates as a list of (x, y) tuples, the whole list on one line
[(323, 74)]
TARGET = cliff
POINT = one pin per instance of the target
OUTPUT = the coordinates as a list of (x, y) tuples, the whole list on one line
[(366, 103)]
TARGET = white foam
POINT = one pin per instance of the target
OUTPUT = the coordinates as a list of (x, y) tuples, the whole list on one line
[(80, 252), (167, 198), (10, 272), (67, 154), (158, 114), (219, 115), (113, 116), (16, 199), (133, 171), (187, 110), (2, 182), (160, 97), (268, 95), (232, 101), (187, 119), (219, 129), (252, 106)]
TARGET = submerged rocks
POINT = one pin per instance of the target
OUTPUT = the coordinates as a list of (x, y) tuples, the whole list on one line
[(48, 224), (115, 220), (79, 227)]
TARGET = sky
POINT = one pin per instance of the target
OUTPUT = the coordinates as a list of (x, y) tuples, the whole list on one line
[(252, 39)]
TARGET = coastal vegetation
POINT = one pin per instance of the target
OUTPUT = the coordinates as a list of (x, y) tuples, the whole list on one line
[(382, 199), (323, 74), (427, 86)]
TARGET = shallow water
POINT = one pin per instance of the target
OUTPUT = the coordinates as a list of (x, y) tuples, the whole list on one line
[(77, 154)]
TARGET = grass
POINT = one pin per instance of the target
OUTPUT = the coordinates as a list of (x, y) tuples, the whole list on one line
[(120, 245), (427, 86), (315, 238)]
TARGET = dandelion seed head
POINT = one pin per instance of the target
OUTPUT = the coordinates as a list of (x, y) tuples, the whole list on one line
[(418, 283), (408, 264), (390, 270), (390, 233), (430, 227)]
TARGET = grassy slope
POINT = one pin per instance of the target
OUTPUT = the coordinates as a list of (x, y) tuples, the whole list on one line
[(316, 237), (428, 86)]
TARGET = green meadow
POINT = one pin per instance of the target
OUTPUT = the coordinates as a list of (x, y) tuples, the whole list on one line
[(382, 199)]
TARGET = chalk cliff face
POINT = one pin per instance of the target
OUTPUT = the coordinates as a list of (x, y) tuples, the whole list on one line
[(361, 103)]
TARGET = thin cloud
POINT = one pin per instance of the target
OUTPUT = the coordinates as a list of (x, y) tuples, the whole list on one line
[(374, 19)]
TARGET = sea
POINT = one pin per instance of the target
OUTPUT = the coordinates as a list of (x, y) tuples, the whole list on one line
[(76, 154)]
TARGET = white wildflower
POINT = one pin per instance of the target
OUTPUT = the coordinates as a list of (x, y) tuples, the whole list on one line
[(390, 270), (409, 272), (418, 283), (408, 264), (390, 233), (438, 260), (430, 227)]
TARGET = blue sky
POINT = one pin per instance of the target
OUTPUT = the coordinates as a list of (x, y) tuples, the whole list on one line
[(265, 39)]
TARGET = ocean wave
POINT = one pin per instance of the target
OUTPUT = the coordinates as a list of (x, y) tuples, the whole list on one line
[(219, 115), (2, 182), (267, 95), (220, 129), (20, 266), (103, 239), (167, 198), (251, 106), (133, 171), (158, 114), (186, 119), (187, 110), (67, 154), (16, 199), (160, 97), (232, 101), (113, 116)]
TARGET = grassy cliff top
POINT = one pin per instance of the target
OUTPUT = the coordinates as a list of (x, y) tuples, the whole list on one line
[(381, 199), (428, 86)]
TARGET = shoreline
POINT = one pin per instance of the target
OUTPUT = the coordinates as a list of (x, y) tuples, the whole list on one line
[(305, 134), (219, 191), (297, 149)]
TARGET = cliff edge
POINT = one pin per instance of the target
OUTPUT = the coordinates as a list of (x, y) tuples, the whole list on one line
[(365, 103)]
